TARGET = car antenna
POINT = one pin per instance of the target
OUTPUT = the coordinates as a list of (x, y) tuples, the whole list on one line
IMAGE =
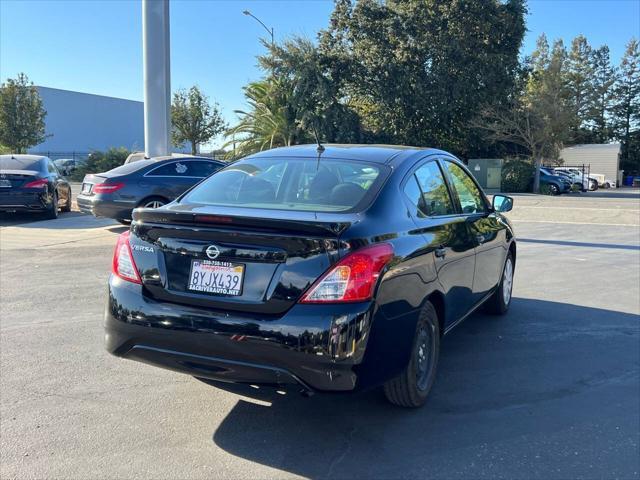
[(320, 147)]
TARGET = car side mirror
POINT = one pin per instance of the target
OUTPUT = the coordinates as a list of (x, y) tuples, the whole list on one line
[(502, 203)]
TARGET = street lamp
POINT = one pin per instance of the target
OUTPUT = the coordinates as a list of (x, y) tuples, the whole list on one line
[(269, 30)]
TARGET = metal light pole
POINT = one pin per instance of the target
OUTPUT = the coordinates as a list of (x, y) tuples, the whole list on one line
[(157, 77), (269, 30)]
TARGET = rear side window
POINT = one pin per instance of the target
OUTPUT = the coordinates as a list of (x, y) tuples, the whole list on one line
[(428, 191), (203, 169), (173, 169), (303, 184)]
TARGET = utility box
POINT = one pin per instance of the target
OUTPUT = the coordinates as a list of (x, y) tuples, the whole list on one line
[(488, 173)]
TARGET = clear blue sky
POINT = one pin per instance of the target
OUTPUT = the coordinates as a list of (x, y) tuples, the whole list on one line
[(95, 46)]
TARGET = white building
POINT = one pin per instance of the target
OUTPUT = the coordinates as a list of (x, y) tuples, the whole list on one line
[(82, 122), (602, 159)]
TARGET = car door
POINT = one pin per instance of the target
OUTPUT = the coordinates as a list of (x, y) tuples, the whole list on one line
[(446, 237), (60, 185), (485, 228)]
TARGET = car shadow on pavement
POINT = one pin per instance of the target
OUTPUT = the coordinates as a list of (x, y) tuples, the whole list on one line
[(504, 385)]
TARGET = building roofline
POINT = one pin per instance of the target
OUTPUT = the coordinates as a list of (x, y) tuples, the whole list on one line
[(90, 94)]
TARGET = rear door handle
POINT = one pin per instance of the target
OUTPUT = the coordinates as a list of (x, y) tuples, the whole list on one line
[(441, 252)]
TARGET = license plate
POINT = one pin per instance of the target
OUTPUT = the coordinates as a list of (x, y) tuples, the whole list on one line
[(86, 187), (5, 184), (220, 278)]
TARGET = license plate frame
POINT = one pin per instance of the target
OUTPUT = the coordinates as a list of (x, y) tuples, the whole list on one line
[(216, 278), (5, 183), (86, 188)]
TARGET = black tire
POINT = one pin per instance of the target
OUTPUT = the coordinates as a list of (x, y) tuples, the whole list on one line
[(411, 388), (554, 189), (67, 206), (498, 303), (52, 212), (150, 200), (124, 221)]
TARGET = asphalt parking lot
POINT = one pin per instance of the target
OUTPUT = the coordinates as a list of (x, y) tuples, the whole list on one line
[(552, 390)]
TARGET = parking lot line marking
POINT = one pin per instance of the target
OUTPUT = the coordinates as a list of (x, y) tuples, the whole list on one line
[(636, 225), (617, 209)]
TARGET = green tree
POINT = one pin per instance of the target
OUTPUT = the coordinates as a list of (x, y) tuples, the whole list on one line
[(194, 119), (306, 73), (599, 115), (270, 121), (579, 72), (416, 71), (21, 115), (627, 107), (539, 117)]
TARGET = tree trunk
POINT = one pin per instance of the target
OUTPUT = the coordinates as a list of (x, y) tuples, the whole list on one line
[(536, 176), (194, 148)]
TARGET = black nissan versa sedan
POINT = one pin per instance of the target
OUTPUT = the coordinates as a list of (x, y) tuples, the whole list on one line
[(333, 269), (147, 183), (32, 183)]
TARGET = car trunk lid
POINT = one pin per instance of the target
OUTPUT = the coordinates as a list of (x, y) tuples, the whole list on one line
[(16, 178), (278, 258)]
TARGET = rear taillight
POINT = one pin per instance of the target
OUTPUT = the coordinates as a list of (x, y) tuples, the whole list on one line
[(353, 278), (41, 182), (107, 187), (123, 265)]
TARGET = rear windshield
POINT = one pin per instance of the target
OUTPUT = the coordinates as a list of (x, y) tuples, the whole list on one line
[(128, 168), (303, 184), (8, 163)]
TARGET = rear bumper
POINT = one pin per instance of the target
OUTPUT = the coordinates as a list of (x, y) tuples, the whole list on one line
[(99, 207), (17, 201), (316, 347)]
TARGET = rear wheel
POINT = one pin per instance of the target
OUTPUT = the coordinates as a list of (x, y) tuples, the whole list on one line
[(67, 205), (411, 388), (499, 302), (52, 211)]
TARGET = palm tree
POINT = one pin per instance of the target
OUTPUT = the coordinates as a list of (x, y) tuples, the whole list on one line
[(271, 120)]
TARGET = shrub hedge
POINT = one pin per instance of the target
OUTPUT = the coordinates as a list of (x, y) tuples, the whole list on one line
[(516, 175), (101, 162)]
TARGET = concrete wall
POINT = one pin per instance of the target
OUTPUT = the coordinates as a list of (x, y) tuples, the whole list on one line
[(603, 158), (82, 122)]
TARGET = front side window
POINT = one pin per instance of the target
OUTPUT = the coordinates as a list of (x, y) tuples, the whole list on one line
[(428, 191), (307, 184), (471, 199)]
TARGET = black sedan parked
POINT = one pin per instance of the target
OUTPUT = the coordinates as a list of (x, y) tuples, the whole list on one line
[(32, 183), (145, 183), (333, 270)]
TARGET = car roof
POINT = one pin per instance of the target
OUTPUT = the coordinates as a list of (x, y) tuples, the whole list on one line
[(383, 154), (32, 158), (177, 156)]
